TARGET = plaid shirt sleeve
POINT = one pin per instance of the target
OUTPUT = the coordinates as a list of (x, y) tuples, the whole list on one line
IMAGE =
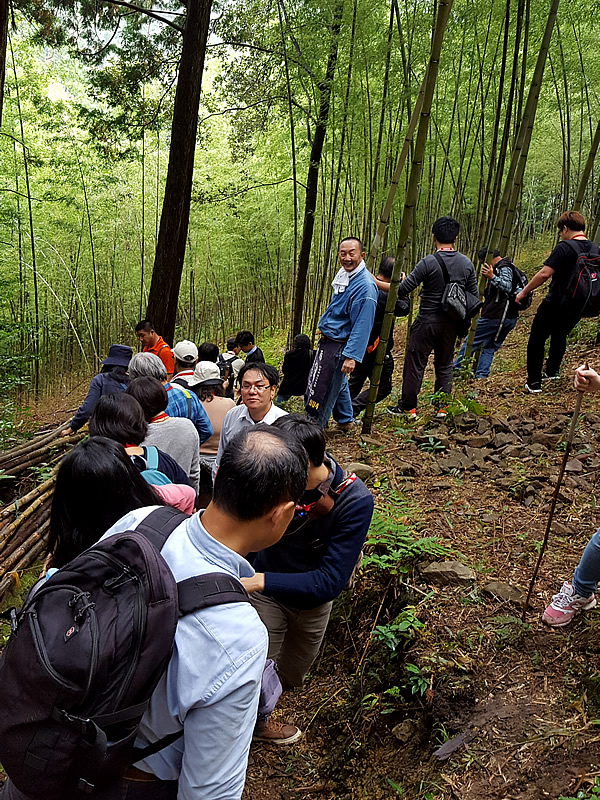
[(178, 407)]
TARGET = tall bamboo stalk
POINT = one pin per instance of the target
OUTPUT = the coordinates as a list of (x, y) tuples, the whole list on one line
[(410, 201)]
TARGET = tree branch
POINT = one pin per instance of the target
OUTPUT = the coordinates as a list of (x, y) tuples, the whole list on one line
[(149, 13), (243, 191), (267, 50)]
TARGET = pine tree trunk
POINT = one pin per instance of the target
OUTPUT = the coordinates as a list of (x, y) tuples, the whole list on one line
[(174, 221)]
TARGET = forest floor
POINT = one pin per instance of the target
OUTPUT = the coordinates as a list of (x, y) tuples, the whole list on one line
[(411, 661), (454, 659)]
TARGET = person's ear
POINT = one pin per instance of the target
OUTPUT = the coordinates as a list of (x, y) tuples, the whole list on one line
[(281, 516)]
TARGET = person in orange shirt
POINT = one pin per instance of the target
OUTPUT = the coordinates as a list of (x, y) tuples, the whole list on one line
[(153, 343)]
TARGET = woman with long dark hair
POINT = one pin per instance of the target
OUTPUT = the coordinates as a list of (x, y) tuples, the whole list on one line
[(112, 379), (96, 485)]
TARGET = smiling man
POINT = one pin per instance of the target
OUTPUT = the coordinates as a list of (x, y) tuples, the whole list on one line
[(345, 327), (258, 382)]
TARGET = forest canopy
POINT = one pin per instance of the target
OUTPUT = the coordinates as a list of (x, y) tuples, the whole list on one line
[(87, 124)]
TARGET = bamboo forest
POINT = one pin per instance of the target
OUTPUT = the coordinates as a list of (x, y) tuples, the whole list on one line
[(216, 178)]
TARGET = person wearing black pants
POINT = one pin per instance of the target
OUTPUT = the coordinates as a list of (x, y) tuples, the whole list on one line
[(555, 324), (426, 336), (555, 318), (433, 330)]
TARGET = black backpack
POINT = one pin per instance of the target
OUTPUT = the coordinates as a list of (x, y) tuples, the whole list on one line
[(457, 301), (519, 282), (582, 292), (85, 654)]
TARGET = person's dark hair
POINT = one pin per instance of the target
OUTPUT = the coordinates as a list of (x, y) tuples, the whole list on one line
[(259, 469), (387, 266), (208, 392), (180, 366), (117, 371), (244, 338), (482, 254), (150, 394), (144, 325), (269, 372), (352, 239), (572, 220), (301, 342), (445, 230), (208, 352), (232, 342), (119, 417), (96, 485), (305, 431)]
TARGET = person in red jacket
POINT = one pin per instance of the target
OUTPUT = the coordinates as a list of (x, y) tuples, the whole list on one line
[(153, 343)]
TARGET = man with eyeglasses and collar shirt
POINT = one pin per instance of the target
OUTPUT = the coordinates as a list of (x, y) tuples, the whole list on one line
[(297, 579), (258, 382)]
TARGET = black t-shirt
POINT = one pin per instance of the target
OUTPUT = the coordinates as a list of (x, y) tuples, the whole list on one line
[(562, 260)]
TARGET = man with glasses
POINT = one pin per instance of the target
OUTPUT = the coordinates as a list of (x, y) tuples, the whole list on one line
[(258, 382)]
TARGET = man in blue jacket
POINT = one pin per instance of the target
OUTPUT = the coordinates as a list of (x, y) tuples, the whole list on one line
[(345, 328), (297, 579)]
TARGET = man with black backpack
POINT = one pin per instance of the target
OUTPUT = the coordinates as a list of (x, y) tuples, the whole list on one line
[(499, 312), (435, 329), (198, 724), (574, 266)]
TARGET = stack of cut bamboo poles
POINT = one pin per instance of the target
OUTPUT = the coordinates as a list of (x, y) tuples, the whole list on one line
[(25, 522)]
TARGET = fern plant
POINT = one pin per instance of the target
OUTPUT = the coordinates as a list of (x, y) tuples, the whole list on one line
[(392, 546)]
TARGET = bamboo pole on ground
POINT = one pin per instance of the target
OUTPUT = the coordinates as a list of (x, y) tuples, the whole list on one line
[(410, 201)]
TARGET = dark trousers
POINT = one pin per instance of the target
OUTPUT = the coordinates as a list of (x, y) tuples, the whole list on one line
[(360, 374), (125, 789), (556, 323), (427, 336)]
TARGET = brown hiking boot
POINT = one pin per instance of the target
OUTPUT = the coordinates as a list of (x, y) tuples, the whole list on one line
[(276, 733), (346, 426)]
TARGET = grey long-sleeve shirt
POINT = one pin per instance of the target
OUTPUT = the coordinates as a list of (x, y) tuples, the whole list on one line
[(429, 273), (179, 438)]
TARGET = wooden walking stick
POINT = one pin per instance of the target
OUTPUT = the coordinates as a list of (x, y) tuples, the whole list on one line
[(561, 472)]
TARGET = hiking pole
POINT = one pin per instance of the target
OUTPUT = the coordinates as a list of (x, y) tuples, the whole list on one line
[(561, 472)]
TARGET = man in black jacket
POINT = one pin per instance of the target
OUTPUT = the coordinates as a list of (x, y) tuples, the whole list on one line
[(245, 340), (433, 330), (364, 370), (498, 314), (296, 582)]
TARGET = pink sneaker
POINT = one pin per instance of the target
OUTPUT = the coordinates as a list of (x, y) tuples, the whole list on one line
[(565, 605)]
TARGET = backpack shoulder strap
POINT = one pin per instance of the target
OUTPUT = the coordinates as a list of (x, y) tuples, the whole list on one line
[(211, 589), (151, 456), (160, 524), (442, 264)]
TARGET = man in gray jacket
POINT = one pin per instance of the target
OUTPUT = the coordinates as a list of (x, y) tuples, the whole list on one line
[(433, 330)]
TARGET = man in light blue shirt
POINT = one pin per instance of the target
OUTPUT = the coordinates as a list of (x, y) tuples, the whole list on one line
[(210, 690), (345, 328)]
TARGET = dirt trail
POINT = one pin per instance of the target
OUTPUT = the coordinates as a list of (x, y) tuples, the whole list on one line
[(524, 700)]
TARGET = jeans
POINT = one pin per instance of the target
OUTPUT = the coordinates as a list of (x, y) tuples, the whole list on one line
[(360, 375), (427, 335), (338, 397), (282, 398), (556, 323), (488, 340), (587, 572), (295, 635)]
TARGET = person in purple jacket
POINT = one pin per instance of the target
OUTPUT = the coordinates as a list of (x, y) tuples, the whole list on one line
[(297, 579)]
